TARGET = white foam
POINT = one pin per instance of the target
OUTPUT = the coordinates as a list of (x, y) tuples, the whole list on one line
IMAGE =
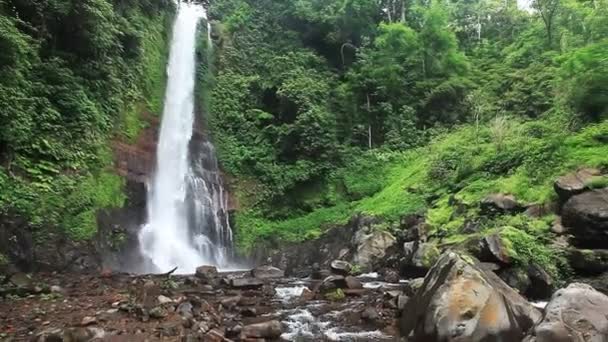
[(372, 275), (541, 305), (302, 324), (333, 334), (288, 293)]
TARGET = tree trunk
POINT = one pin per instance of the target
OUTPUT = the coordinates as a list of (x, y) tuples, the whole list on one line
[(369, 126)]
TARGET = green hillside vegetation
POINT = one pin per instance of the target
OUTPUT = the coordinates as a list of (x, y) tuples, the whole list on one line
[(325, 109), (73, 76)]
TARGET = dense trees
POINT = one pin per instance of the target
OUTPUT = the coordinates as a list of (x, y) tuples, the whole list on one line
[(304, 88), (70, 74)]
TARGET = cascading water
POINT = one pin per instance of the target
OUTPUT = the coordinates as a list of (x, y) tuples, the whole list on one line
[(187, 204)]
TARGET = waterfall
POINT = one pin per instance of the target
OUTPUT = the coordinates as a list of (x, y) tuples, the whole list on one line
[(187, 204)]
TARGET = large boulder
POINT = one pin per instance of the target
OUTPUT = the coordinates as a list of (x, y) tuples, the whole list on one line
[(574, 183), (586, 216), (589, 261), (268, 330), (575, 313), (459, 301), (493, 249), (372, 247)]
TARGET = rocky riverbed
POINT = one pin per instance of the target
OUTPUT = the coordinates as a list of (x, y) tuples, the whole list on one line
[(203, 307)]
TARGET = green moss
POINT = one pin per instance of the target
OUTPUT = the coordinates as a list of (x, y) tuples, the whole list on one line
[(598, 182), (524, 249), (335, 296)]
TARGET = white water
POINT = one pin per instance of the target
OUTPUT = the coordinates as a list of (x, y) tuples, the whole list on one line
[(187, 217)]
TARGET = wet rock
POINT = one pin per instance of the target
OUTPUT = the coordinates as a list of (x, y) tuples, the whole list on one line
[(500, 204), (372, 247), (353, 283), (246, 283), (307, 295), (460, 302), (333, 282), (249, 312), (340, 267), (408, 249), (269, 330), (575, 313), (88, 320), (206, 273), (248, 301), (586, 216), (370, 315), (589, 261), (492, 249), (267, 272), (574, 183), (557, 227)]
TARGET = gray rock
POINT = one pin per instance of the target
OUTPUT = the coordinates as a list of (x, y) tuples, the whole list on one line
[(164, 300), (246, 283), (460, 302), (184, 309), (333, 282), (575, 313), (589, 261), (268, 330), (267, 272), (402, 301), (372, 247), (206, 272), (353, 283), (492, 249), (586, 216), (501, 204), (574, 183), (340, 267), (157, 312)]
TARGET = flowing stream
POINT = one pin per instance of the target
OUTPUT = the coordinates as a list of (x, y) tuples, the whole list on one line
[(187, 204)]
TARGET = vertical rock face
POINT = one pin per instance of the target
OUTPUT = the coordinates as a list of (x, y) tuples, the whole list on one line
[(586, 216), (459, 301), (575, 313)]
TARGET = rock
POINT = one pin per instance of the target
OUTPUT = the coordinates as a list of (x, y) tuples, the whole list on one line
[(460, 302), (425, 256), (57, 289), (598, 282), (372, 247), (214, 335), (71, 335), (88, 320), (575, 313), (267, 272), (541, 283), (230, 302), (408, 249), (333, 282), (370, 315), (340, 267), (412, 286), (249, 312), (500, 204), (307, 295), (184, 309), (589, 261), (246, 283), (492, 249), (391, 276), (269, 330), (557, 227), (353, 283), (164, 300), (517, 278), (21, 280), (586, 216), (471, 227), (574, 183), (319, 274), (207, 273), (157, 312), (147, 294), (402, 301)]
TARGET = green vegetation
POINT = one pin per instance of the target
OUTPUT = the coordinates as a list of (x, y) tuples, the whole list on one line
[(322, 110), (73, 76)]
